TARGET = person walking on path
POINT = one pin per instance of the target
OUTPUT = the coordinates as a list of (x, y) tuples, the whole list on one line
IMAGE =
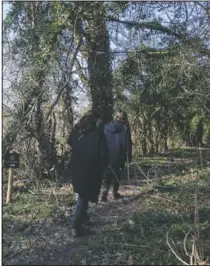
[(119, 141), (88, 161)]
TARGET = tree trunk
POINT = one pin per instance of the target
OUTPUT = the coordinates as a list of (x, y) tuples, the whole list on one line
[(165, 143), (144, 142), (165, 131), (67, 99), (45, 136), (187, 139), (99, 63), (150, 138), (199, 134)]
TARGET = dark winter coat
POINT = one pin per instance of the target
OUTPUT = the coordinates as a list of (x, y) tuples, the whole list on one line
[(88, 160), (119, 143)]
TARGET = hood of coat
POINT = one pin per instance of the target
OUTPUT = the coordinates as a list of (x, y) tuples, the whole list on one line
[(114, 127), (85, 125)]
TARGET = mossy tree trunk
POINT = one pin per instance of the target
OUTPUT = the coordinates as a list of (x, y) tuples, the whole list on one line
[(99, 62)]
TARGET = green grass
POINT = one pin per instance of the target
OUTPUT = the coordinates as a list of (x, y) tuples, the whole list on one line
[(185, 161), (28, 211), (29, 207), (141, 238)]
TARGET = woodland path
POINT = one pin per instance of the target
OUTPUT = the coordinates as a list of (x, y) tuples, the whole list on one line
[(51, 242)]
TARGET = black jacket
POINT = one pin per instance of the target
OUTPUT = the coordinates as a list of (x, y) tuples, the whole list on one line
[(88, 160)]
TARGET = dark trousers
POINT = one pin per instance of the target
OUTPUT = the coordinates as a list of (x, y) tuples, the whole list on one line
[(113, 176), (80, 212)]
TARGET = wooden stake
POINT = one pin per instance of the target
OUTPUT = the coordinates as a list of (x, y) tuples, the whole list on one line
[(10, 186)]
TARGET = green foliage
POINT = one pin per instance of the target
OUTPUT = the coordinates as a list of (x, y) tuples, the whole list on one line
[(157, 88), (194, 122), (163, 85)]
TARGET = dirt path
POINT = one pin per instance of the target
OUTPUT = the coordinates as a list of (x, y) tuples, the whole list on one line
[(49, 241)]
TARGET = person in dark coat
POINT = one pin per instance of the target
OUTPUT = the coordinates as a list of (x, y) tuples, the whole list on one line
[(119, 141), (88, 161)]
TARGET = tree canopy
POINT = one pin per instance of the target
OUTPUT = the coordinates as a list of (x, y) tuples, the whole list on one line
[(152, 59)]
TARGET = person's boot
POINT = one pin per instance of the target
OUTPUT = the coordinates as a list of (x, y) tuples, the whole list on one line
[(80, 231), (104, 196), (86, 217), (117, 195), (87, 221)]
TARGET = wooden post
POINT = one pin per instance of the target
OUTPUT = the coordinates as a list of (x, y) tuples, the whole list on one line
[(10, 186)]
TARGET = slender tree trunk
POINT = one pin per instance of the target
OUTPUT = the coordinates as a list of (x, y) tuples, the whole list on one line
[(144, 141), (187, 139), (199, 134), (150, 137), (67, 98), (165, 131), (165, 145)]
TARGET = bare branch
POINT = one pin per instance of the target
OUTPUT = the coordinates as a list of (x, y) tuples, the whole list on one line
[(147, 25), (185, 248), (182, 261), (70, 71)]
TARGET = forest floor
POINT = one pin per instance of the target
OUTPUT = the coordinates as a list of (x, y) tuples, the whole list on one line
[(159, 199)]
